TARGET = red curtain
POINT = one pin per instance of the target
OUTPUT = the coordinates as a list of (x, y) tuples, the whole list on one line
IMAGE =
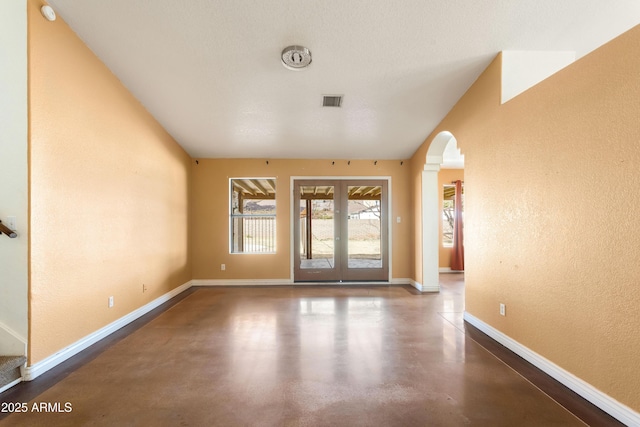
[(457, 254)]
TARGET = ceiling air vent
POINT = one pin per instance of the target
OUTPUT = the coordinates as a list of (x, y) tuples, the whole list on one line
[(332, 100)]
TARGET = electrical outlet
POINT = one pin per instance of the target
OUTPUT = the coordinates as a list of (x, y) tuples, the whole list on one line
[(110, 302), (223, 267), (503, 310)]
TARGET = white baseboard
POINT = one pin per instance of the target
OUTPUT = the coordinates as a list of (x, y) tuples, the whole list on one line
[(37, 369), (603, 401), (241, 282), (423, 288), (446, 270), (401, 281), (287, 282), (11, 384)]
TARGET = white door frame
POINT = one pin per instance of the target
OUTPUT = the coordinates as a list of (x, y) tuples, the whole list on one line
[(292, 215)]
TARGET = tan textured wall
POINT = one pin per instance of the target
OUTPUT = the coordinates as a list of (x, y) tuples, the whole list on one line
[(210, 206), (109, 194), (446, 177), (551, 182)]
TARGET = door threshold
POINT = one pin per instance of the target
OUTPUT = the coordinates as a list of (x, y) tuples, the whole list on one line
[(345, 283)]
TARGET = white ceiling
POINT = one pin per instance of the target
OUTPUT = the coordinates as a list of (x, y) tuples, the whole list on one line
[(209, 70)]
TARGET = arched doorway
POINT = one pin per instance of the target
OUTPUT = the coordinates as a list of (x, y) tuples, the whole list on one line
[(431, 215)]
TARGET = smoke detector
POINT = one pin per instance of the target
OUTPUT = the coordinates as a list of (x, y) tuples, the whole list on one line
[(48, 13), (296, 57)]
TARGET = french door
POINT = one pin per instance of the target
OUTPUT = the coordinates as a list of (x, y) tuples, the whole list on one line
[(340, 230)]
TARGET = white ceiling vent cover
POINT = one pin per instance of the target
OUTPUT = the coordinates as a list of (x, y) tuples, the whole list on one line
[(296, 57), (332, 100)]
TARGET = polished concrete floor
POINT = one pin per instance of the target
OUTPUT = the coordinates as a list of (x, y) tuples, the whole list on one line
[(297, 356)]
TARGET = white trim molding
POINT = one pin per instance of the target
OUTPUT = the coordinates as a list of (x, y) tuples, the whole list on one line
[(11, 384), (289, 282), (416, 285), (241, 282), (603, 401), (401, 281), (447, 270), (422, 288), (37, 369), (390, 214)]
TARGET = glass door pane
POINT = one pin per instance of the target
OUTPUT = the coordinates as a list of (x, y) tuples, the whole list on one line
[(364, 227), (317, 229), (317, 249)]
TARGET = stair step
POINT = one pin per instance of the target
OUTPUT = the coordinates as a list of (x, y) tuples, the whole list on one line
[(10, 369), (9, 363)]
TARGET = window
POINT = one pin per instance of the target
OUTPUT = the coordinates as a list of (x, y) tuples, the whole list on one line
[(448, 214), (253, 215)]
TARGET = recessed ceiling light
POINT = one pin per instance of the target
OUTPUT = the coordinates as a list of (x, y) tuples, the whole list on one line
[(296, 57)]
